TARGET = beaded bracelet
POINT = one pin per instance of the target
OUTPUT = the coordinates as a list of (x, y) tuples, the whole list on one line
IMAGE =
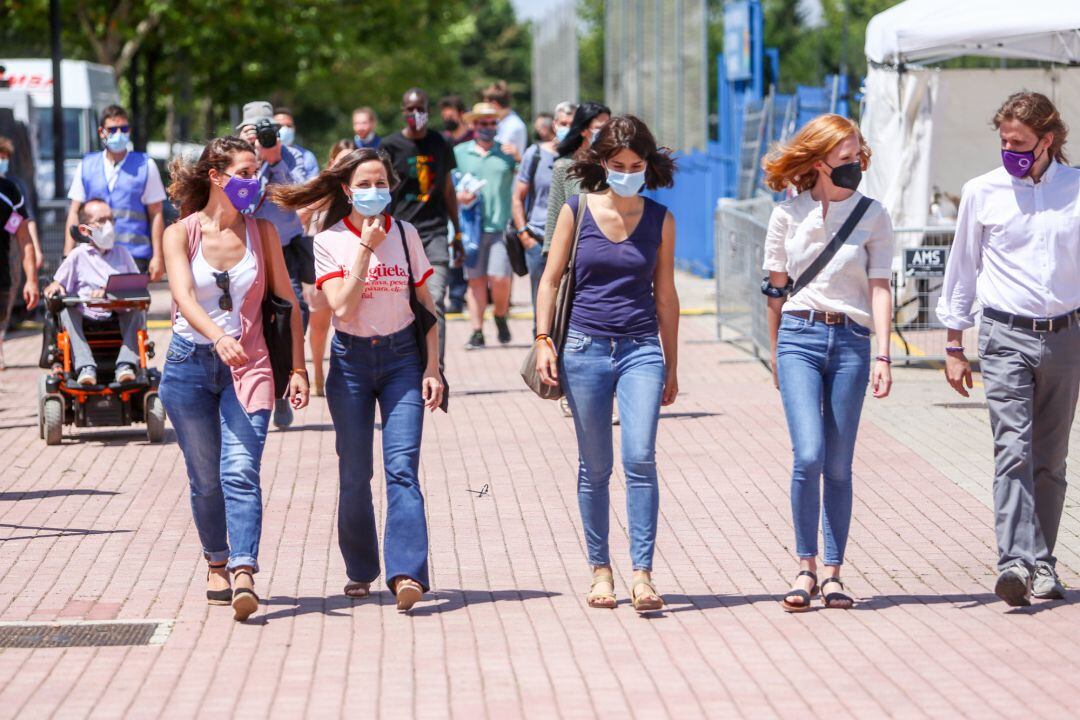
[(954, 348), (885, 359)]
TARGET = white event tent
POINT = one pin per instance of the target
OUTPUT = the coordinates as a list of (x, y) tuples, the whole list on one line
[(929, 128)]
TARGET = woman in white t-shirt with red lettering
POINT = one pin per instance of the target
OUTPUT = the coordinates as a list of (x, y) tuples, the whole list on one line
[(362, 266)]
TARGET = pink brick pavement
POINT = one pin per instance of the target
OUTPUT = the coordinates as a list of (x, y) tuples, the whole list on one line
[(100, 528)]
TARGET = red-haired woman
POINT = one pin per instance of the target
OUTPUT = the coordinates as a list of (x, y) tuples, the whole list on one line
[(217, 385), (821, 332)]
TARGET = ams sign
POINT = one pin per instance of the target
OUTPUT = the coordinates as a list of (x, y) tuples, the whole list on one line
[(925, 262)]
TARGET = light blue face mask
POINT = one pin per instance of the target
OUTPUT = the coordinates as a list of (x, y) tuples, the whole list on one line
[(561, 132), (4, 162), (369, 202), (117, 142), (286, 135), (625, 184), (593, 135)]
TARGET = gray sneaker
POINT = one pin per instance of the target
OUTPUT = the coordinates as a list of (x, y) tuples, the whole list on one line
[(1014, 586), (283, 414), (88, 375), (1047, 585)]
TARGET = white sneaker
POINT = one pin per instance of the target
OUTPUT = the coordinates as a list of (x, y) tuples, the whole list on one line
[(125, 374), (88, 376)]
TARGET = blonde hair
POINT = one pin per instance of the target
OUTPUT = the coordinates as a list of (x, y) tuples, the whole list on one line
[(793, 163)]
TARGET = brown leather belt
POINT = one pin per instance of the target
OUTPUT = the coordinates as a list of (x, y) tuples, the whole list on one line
[(829, 318)]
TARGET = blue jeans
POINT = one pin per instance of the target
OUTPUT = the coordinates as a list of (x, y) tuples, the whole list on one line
[(364, 370), (823, 372), (593, 370), (222, 445)]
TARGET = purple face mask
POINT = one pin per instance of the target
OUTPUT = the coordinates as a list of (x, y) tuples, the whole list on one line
[(1018, 164), (242, 192)]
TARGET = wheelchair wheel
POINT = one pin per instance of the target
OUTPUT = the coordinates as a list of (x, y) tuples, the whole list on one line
[(52, 412), (40, 408), (155, 418)]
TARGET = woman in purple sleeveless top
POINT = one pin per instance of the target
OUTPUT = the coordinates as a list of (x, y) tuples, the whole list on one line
[(623, 339)]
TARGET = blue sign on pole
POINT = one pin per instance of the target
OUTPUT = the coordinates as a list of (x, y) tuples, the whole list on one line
[(737, 47)]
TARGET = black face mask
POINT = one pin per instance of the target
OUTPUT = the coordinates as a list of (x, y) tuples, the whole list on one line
[(451, 125), (846, 176)]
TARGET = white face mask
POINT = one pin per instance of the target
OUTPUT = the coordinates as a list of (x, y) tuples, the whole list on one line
[(104, 237)]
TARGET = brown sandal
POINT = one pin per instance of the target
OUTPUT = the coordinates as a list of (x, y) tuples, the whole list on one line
[(408, 593), (649, 601), (357, 590)]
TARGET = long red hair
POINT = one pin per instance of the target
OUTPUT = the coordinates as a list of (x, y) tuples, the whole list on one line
[(792, 164)]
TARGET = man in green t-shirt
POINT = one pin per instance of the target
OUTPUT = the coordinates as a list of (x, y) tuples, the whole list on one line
[(483, 159)]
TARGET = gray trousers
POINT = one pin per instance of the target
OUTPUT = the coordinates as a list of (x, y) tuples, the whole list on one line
[(437, 285), (1032, 380), (130, 324)]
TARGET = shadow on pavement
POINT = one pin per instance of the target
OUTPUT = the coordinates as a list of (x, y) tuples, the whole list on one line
[(440, 601), (16, 495), (58, 532)]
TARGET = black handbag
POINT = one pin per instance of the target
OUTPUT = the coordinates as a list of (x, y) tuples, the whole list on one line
[(424, 321), (277, 331), (514, 249)]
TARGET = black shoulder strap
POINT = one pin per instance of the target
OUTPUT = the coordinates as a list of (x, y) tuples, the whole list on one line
[(533, 165), (831, 249), (405, 245)]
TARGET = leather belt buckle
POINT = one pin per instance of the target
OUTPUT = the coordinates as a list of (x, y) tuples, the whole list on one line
[(833, 318), (1042, 325)]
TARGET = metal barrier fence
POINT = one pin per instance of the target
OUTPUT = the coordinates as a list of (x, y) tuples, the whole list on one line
[(918, 266), (555, 57)]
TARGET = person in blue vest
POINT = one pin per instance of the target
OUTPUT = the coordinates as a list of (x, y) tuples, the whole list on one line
[(279, 164), (130, 183)]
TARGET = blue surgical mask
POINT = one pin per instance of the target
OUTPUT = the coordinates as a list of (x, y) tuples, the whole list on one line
[(117, 141), (625, 184), (561, 132), (593, 135), (370, 201), (286, 135), (4, 162)]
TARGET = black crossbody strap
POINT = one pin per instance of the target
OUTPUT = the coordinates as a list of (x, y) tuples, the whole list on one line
[(831, 249), (408, 259), (533, 165)]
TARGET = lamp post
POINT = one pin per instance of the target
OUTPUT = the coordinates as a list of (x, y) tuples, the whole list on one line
[(57, 105)]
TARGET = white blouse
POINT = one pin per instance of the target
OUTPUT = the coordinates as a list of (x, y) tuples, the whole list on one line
[(798, 233)]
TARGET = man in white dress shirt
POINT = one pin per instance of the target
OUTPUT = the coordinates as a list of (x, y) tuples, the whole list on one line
[(1017, 252)]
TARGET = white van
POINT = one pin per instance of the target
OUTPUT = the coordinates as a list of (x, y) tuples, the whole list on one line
[(87, 89)]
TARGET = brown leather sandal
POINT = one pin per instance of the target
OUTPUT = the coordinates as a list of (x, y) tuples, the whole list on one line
[(598, 598), (358, 590)]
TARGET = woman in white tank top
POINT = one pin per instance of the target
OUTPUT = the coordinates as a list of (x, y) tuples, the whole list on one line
[(217, 385)]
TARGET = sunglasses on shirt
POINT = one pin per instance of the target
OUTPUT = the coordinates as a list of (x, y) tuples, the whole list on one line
[(118, 128), (221, 279)]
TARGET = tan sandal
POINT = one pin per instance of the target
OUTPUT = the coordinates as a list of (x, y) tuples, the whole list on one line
[(602, 600), (357, 590), (408, 593), (244, 600), (647, 601)]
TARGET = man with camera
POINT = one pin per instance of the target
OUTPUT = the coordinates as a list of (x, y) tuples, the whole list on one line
[(282, 165)]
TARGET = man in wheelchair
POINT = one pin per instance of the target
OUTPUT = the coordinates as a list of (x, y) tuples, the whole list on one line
[(85, 273)]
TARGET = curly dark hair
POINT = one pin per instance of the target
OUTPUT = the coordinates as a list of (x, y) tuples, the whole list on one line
[(324, 191), (629, 132)]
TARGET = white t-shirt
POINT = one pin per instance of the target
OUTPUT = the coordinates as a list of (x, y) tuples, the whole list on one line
[(798, 233), (511, 129), (154, 192), (384, 308)]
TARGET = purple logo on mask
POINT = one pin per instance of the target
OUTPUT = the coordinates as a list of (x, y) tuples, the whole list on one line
[(241, 191)]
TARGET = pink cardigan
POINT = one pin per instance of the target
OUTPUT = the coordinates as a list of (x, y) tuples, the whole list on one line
[(254, 382)]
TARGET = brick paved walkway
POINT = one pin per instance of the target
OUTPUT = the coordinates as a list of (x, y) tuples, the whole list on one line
[(100, 528)]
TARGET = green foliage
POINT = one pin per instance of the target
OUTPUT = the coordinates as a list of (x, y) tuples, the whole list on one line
[(199, 59), (591, 50)]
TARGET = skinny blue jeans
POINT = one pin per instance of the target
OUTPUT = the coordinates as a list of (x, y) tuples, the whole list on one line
[(222, 445), (823, 372), (593, 370), (363, 371)]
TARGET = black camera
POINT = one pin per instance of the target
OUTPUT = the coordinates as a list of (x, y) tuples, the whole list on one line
[(266, 132)]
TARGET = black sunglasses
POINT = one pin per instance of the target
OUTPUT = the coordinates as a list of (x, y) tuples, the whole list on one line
[(118, 128), (221, 279)]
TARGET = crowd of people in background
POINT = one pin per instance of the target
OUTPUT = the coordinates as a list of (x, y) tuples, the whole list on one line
[(397, 231)]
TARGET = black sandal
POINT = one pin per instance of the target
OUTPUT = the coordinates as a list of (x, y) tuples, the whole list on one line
[(217, 597), (244, 600), (804, 596), (836, 600)]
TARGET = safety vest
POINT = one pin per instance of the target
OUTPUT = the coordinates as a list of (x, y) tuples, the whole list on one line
[(125, 199)]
